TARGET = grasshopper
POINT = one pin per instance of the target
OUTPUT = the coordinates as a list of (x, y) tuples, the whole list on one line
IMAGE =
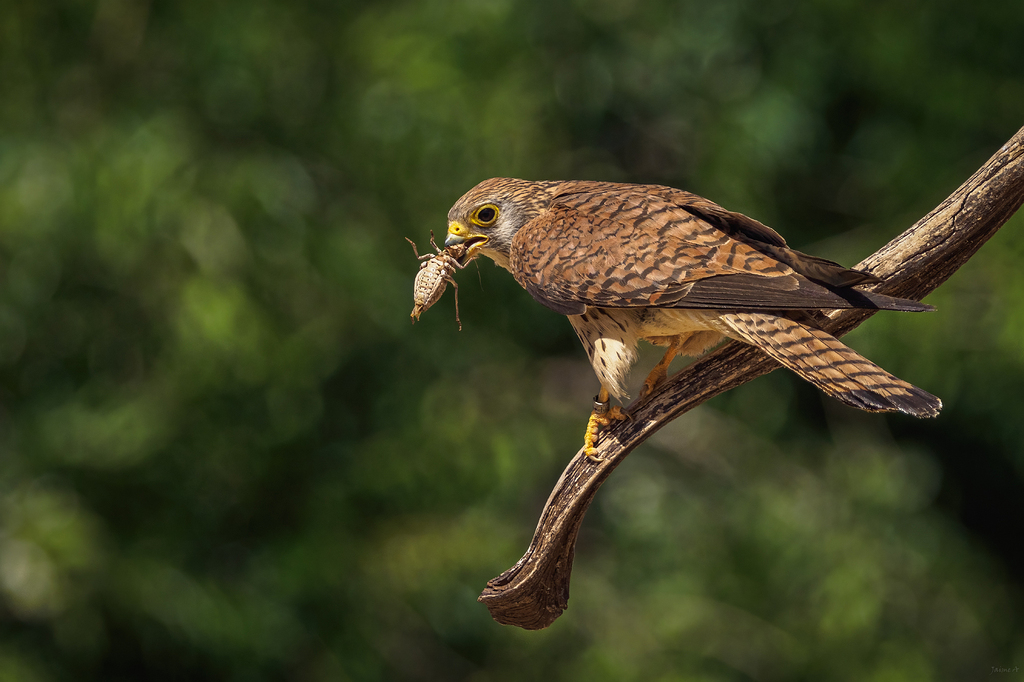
[(435, 273)]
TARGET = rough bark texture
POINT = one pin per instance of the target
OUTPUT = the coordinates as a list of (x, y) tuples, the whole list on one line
[(534, 592)]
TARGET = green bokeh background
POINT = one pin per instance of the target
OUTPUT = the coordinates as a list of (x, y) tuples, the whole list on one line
[(225, 453)]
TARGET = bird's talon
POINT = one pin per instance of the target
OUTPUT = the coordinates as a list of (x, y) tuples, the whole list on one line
[(649, 388), (619, 414), (601, 417)]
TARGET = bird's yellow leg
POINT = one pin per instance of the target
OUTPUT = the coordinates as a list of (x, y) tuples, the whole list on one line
[(601, 416), (660, 371)]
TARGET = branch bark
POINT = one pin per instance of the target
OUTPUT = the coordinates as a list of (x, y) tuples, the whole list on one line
[(534, 592)]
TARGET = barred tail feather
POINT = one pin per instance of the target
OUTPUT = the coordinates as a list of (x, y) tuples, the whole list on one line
[(833, 367)]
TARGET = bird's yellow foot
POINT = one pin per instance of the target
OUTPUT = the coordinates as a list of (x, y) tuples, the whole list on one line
[(653, 380), (601, 416), (659, 374)]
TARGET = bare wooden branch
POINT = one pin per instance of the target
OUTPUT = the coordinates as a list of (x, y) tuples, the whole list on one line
[(534, 592)]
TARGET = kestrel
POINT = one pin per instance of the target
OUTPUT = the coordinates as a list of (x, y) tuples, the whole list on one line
[(628, 262)]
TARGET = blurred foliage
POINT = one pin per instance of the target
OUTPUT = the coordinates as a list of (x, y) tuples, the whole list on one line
[(227, 455)]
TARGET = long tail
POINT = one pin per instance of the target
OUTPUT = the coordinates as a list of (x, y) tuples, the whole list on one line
[(824, 361)]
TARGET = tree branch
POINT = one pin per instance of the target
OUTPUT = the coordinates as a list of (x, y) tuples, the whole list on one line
[(534, 592)]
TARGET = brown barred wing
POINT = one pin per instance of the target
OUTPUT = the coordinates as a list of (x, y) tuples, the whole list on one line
[(622, 246), (830, 365), (618, 246)]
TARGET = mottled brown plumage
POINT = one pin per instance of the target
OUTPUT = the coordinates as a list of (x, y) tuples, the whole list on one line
[(630, 262)]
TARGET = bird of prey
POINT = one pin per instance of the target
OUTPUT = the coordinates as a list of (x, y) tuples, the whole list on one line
[(627, 262)]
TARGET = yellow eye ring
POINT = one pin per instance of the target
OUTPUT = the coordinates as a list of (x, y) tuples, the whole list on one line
[(485, 216)]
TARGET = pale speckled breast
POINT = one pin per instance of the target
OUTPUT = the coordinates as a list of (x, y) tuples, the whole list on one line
[(609, 336)]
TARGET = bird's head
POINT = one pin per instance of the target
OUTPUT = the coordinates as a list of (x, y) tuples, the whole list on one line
[(488, 216)]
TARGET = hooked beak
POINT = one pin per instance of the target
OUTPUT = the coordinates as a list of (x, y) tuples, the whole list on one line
[(460, 234)]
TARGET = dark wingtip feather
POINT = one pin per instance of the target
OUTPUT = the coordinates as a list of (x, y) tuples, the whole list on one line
[(869, 299), (850, 278)]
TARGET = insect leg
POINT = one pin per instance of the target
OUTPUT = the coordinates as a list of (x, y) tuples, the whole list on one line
[(455, 284)]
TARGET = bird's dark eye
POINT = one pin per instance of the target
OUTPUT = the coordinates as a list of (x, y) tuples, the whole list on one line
[(485, 215)]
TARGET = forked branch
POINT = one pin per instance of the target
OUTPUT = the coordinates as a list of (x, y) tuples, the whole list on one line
[(534, 592)]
